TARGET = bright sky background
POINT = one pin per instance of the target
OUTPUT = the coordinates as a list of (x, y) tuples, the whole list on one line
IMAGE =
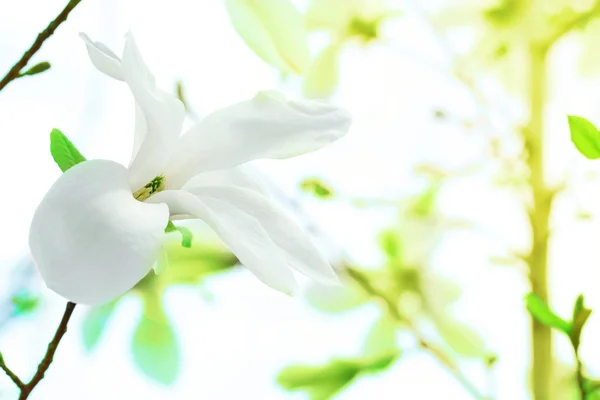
[(236, 345)]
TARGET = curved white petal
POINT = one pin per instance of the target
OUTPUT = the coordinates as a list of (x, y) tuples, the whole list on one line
[(91, 240), (103, 58), (298, 249), (241, 232), (160, 114), (241, 176), (268, 126)]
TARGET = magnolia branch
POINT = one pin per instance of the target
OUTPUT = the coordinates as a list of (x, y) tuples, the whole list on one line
[(392, 308), (15, 71), (27, 388)]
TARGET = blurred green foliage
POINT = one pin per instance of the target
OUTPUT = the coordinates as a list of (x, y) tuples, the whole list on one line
[(324, 382), (25, 302), (318, 188), (154, 344), (407, 294)]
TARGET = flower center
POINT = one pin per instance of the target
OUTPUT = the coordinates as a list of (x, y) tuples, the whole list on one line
[(154, 186)]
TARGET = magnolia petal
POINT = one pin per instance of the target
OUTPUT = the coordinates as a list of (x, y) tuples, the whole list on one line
[(323, 77), (298, 249), (240, 176), (274, 30), (91, 240), (162, 113), (241, 232), (103, 58), (268, 126)]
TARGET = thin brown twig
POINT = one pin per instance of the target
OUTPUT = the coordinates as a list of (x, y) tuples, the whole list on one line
[(49, 357), (27, 388), (15, 71), (11, 375), (392, 308)]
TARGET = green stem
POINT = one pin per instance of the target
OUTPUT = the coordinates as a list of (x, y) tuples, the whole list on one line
[(539, 215)]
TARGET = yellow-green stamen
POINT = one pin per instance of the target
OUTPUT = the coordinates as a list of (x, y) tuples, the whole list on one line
[(154, 186)]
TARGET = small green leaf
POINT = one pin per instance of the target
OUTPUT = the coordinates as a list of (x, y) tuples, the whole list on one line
[(579, 306), (154, 346), (25, 303), (542, 313), (585, 136), (65, 154), (580, 317), (36, 69), (317, 187), (324, 382), (382, 337), (186, 234), (94, 323), (390, 243), (490, 360)]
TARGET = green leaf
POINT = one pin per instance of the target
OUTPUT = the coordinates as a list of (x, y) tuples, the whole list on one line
[(542, 313), (580, 317), (36, 69), (25, 303), (324, 382), (94, 323), (186, 234), (317, 187), (190, 266), (585, 136), (154, 346), (382, 337), (390, 243), (65, 154)]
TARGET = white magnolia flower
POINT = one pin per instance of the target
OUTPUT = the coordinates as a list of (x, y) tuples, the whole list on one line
[(100, 227)]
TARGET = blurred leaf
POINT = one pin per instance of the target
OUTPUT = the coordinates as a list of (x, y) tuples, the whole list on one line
[(186, 234), (324, 382), (154, 346), (317, 187), (541, 312), (382, 337), (94, 323), (274, 30), (460, 337), (506, 13), (491, 360), (190, 266), (334, 300), (390, 243), (585, 136), (322, 78), (24, 303), (580, 317), (36, 69), (64, 152), (424, 204)]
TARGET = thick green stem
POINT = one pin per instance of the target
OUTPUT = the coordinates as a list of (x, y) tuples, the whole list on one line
[(539, 214)]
